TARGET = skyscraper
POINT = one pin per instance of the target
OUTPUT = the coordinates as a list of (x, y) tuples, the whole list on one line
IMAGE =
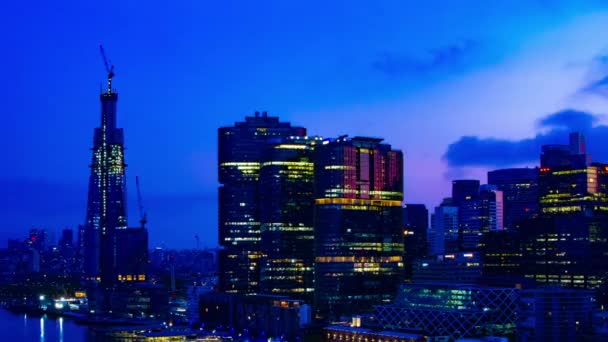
[(443, 235), (568, 183), (416, 225), (106, 207), (286, 217), (241, 150), (568, 243), (465, 196), (358, 225), (520, 193)]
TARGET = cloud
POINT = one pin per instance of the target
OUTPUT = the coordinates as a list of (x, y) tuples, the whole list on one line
[(570, 119), (597, 87), (471, 151), (598, 77), (452, 55)]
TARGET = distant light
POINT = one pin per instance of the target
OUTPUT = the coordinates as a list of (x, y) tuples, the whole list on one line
[(41, 297), (59, 306)]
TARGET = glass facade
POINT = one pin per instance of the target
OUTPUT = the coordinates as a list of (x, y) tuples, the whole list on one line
[(456, 311), (241, 150), (443, 235), (570, 190), (358, 225), (520, 193), (567, 245), (286, 217)]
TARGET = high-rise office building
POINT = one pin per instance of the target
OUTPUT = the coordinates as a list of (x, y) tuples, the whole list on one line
[(106, 207), (480, 210), (492, 208), (416, 225), (568, 183), (443, 235), (358, 225), (241, 150), (286, 217), (567, 244), (520, 193), (465, 196)]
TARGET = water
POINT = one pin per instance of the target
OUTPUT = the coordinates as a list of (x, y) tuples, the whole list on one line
[(27, 328)]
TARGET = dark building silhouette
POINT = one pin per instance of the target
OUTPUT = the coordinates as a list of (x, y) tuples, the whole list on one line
[(520, 193), (501, 254), (416, 225), (67, 238), (358, 225), (132, 254), (464, 190), (563, 314), (464, 268), (241, 151), (106, 208), (465, 196), (286, 217)]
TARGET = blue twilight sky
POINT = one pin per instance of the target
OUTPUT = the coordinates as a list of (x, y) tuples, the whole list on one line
[(460, 86)]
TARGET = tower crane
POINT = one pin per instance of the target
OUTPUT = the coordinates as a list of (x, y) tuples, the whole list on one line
[(109, 68), (143, 217)]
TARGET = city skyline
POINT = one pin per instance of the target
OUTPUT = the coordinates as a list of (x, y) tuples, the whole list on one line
[(432, 79)]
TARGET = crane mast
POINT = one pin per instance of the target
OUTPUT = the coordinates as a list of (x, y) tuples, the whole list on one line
[(109, 68)]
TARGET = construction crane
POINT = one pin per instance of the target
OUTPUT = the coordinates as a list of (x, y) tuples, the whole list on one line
[(109, 68), (143, 217)]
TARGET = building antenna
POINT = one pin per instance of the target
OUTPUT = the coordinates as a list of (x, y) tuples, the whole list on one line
[(109, 68)]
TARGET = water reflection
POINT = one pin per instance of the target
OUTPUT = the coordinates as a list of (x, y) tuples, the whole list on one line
[(60, 329), (34, 328), (41, 329)]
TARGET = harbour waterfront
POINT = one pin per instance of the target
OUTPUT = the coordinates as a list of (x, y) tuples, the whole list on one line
[(24, 327)]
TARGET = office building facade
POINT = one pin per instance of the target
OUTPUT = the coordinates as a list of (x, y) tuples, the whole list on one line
[(443, 235), (520, 193), (358, 225), (241, 150), (286, 217)]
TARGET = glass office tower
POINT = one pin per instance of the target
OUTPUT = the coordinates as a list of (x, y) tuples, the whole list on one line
[(358, 225), (241, 150), (520, 193), (286, 217)]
